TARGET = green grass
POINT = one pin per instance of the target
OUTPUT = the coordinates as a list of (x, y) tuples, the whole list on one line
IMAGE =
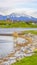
[(32, 60), (6, 24), (30, 31)]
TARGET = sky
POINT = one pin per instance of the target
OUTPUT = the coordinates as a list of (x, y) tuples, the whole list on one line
[(19, 6)]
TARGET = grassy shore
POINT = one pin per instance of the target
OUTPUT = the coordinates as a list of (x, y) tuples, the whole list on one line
[(32, 60), (30, 31), (9, 24)]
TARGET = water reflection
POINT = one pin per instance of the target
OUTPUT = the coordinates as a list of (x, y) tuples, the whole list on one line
[(6, 45)]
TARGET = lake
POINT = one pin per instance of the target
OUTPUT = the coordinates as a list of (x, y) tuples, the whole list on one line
[(6, 45), (11, 30), (6, 42)]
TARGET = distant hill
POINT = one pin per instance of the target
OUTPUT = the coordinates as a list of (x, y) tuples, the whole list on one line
[(18, 17), (3, 17)]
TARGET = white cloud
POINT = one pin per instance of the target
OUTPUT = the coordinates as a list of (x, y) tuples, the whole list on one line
[(26, 11), (9, 6), (12, 3)]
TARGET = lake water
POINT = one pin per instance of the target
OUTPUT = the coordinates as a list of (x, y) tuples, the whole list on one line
[(6, 45), (6, 42), (11, 30)]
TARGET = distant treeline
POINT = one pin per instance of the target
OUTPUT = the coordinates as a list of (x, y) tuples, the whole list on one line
[(11, 24)]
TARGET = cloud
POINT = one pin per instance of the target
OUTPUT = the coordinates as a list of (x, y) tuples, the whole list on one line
[(18, 6), (11, 3), (16, 3), (27, 11)]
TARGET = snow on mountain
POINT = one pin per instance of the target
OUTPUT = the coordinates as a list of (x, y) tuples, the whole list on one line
[(18, 17)]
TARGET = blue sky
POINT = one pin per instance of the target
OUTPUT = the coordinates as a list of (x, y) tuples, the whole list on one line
[(8, 6)]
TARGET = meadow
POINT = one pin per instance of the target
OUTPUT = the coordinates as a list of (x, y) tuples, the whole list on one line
[(15, 24), (32, 60), (29, 31)]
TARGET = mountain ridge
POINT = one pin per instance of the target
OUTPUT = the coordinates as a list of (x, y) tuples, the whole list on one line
[(18, 17)]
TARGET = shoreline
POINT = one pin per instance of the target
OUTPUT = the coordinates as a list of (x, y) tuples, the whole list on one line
[(13, 57)]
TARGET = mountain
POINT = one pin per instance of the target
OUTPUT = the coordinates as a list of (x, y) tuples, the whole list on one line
[(18, 17), (3, 17)]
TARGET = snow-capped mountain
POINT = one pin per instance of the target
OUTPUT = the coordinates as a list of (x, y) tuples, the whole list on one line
[(18, 17), (3, 17)]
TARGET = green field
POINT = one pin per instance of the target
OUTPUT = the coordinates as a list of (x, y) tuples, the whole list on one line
[(32, 60), (30, 31), (10, 24)]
